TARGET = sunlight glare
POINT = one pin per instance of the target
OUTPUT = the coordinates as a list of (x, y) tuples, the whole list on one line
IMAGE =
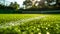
[(38, 0)]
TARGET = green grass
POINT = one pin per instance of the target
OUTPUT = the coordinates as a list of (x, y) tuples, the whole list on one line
[(14, 17), (32, 24)]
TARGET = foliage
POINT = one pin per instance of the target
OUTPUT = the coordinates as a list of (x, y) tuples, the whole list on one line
[(42, 4), (14, 5), (27, 3), (15, 8)]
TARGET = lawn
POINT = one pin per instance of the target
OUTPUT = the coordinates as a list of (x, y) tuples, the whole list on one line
[(29, 23)]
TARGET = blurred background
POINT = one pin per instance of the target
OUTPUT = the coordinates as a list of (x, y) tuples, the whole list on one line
[(30, 5)]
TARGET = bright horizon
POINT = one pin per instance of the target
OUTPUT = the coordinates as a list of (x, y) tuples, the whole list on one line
[(20, 2)]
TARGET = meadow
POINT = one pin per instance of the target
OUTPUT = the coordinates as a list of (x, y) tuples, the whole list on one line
[(29, 23)]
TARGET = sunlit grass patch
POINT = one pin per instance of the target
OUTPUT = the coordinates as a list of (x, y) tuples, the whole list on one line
[(14, 17), (30, 24)]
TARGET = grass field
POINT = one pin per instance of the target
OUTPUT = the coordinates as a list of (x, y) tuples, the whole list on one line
[(29, 23)]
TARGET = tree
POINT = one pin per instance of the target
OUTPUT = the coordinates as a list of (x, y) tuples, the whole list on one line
[(14, 5), (27, 3), (34, 3), (57, 3), (41, 4), (11, 4), (48, 2)]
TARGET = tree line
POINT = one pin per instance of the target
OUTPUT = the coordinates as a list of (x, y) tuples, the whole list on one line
[(32, 4), (42, 4)]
